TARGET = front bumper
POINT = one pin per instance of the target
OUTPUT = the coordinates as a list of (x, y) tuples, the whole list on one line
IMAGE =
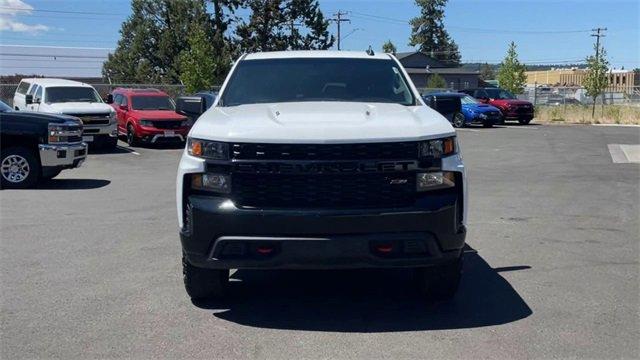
[(65, 156), (91, 133), (220, 235), (518, 114)]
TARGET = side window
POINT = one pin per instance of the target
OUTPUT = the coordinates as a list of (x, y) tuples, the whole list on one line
[(38, 94), (117, 99), (23, 87), (124, 101), (32, 89)]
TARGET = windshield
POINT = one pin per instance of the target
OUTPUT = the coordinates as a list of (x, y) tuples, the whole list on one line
[(152, 103), (499, 94), (71, 94), (317, 79), (4, 107), (468, 100)]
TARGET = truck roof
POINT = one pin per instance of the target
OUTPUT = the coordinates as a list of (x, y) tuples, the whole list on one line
[(315, 54), (55, 82)]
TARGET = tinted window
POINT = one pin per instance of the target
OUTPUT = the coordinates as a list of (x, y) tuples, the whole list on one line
[(125, 101), (117, 99), (23, 87), (499, 94), (71, 94), (152, 103), (4, 107), (468, 100), (317, 79)]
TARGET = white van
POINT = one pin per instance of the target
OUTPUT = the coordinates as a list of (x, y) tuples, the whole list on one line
[(73, 98)]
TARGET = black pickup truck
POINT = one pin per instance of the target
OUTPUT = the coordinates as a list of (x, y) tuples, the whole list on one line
[(37, 146)]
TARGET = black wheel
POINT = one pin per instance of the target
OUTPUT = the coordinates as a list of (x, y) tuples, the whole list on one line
[(487, 124), (524, 121), (203, 283), (458, 120), (440, 282), (19, 168), (51, 174), (132, 140)]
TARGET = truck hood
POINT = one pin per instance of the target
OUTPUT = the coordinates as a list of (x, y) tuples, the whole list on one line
[(79, 108), (320, 123)]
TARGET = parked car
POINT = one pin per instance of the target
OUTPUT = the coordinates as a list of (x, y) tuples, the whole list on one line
[(320, 159), (37, 146), (448, 105), (148, 115), (471, 111), (59, 96), (509, 105)]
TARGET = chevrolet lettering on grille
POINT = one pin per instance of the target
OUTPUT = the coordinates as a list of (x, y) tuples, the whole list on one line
[(326, 167)]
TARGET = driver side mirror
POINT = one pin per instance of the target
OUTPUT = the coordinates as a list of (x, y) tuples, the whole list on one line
[(191, 106), (109, 99), (28, 99), (124, 107)]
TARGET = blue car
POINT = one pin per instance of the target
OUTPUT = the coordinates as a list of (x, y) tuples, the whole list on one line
[(475, 112)]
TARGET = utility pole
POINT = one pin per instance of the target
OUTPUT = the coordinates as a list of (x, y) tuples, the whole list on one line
[(599, 32), (338, 18), (292, 29)]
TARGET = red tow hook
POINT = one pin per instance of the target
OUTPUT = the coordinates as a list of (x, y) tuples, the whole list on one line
[(386, 248), (265, 250)]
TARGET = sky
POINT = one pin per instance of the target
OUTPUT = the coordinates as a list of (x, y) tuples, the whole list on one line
[(72, 37)]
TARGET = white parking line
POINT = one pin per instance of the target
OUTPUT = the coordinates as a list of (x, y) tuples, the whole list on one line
[(624, 153), (128, 150)]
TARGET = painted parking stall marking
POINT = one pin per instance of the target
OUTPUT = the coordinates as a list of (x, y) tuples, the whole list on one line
[(624, 153)]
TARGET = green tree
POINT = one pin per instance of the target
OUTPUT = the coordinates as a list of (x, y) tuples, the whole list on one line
[(389, 48), (197, 63), (511, 74), (429, 34), (486, 72), (436, 81), (596, 79), (152, 39), (284, 25), (224, 45)]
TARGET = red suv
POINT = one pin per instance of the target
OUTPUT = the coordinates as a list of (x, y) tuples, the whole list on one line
[(148, 115), (509, 105)]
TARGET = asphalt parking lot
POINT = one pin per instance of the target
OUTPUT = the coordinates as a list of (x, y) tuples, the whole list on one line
[(90, 267)]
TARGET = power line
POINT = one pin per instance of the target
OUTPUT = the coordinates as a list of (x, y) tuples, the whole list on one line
[(338, 19), (54, 56)]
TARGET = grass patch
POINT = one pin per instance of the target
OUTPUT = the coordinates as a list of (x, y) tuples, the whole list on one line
[(581, 114)]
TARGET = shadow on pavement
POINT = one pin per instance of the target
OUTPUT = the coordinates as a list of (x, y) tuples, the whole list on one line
[(73, 184), (101, 151), (367, 300)]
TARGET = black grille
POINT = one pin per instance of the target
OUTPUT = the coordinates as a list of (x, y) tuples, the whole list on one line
[(167, 124), (324, 190), (93, 119), (74, 139), (369, 151)]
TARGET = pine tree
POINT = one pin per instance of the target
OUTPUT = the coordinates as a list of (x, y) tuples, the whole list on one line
[(151, 40), (224, 45), (197, 63), (436, 81), (429, 34), (511, 74), (596, 79), (284, 25), (389, 48)]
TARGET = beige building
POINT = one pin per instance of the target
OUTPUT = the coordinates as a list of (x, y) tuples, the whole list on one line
[(619, 80)]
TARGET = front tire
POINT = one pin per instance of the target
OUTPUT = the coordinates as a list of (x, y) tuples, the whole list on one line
[(440, 282), (19, 168), (203, 283), (132, 140), (458, 120)]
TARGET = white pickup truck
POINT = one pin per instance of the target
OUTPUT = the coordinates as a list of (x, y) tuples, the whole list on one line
[(59, 96), (320, 160)]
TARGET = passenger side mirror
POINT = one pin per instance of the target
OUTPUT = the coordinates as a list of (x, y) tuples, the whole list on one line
[(191, 106), (124, 107), (28, 99), (109, 99)]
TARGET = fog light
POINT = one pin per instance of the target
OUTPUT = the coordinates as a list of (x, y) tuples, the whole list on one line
[(434, 181), (211, 182)]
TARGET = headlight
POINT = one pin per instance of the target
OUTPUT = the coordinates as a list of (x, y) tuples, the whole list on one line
[(438, 148), (219, 183), (435, 180), (58, 133), (112, 117), (146, 123), (208, 149)]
